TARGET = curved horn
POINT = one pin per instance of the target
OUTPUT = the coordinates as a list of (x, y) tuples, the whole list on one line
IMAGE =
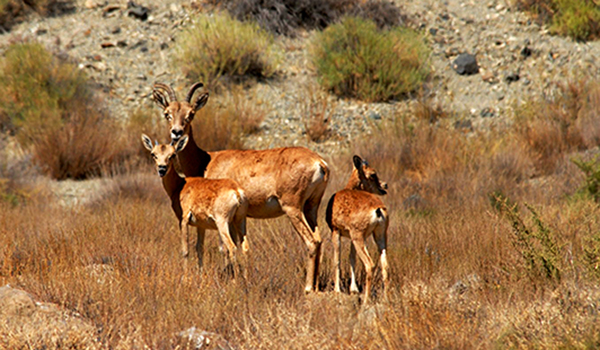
[(193, 89), (168, 89)]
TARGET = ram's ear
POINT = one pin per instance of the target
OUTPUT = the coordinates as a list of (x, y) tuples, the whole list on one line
[(147, 142), (201, 101)]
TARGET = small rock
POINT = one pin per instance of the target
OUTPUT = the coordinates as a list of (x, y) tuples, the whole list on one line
[(526, 52), (110, 9), (375, 116), (41, 31), (115, 30), (107, 45), (487, 75), (433, 31), (137, 11), (92, 4), (465, 64), (512, 77), (193, 338), (164, 46), (464, 124), (452, 51), (487, 112), (121, 43), (140, 43)]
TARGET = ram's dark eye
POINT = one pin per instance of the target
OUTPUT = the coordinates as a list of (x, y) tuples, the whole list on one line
[(153, 155)]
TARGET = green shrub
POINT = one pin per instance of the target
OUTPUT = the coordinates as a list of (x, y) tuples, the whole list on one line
[(36, 89), (578, 19), (591, 169), (216, 46), (355, 59), (48, 105)]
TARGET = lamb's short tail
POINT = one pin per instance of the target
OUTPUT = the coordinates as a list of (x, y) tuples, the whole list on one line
[(243, 203)]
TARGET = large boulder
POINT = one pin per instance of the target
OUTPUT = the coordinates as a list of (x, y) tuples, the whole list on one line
[(29, 324)]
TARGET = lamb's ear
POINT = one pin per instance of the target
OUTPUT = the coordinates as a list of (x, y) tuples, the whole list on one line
[(181, 143), (358, 162), (147, 142)]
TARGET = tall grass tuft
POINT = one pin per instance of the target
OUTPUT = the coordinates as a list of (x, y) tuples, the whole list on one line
[(317, 110), (217, 48), (562, 122), (353, 58)]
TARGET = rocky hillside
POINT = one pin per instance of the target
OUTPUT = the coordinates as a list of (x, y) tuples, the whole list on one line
[(126, 48)]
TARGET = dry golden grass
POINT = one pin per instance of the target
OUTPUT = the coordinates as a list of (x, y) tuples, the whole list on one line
[(457, 278)]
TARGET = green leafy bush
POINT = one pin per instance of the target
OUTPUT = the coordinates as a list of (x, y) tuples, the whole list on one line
[(48, 105), (356, 59), (36, 89), (578, 19), (220, 46)]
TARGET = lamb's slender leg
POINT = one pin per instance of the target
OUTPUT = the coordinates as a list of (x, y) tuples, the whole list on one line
[(353, 284), (336, 239), (363, 254)]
